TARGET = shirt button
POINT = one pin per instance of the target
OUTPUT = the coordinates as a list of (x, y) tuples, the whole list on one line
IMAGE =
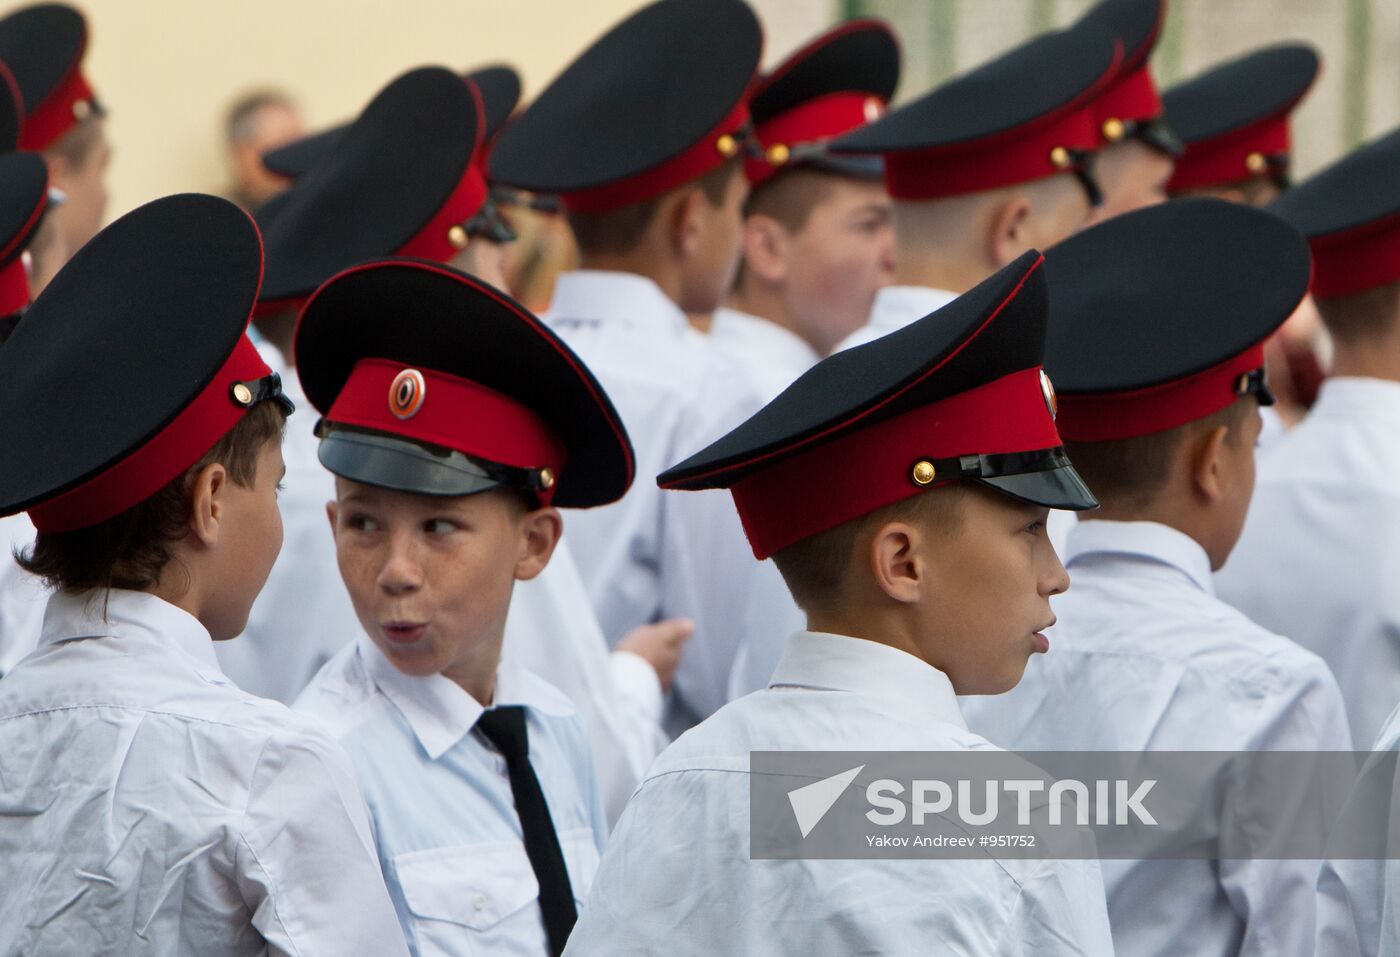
[(479, 901)]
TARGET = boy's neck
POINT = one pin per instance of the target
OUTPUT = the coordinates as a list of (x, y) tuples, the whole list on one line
[(1374, 359), (940, 272), (764, 302), (873, 627), (664, 272), (475, 671)]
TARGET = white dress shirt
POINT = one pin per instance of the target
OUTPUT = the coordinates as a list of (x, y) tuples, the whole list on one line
[(147, 806), (1358, 901), (1319, 555), (1146, 658), (677, 879), (770, 355), (439, 796), (22, 596), (304, 616), (896, 307), (655, 554)]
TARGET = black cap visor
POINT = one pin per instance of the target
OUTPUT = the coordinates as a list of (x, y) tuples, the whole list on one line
[(1043, 477), (403, 465)]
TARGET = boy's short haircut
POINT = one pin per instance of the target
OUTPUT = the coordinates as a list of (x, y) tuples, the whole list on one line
[(1362, 317), (77, 145), (619, 231), (1130, 473), (131, 550), (790, 196), (815, 568)]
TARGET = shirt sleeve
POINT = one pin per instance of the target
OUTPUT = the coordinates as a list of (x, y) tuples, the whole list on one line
[(305, 861)]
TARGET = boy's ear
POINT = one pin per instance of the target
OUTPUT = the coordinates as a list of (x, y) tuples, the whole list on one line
[(765, 242), (539, 534), (685, 223), (1008, 238), (1208, 463), (207, 490), (333, 513), (895, 562)]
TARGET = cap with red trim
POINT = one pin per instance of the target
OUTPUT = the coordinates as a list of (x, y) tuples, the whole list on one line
[(656, 102), (841, 80), (1158, 317), (400, 182), (433, 382), (1024, 116), (24, 197), (132, 363), (43, 47), (1129, 106), (1350, 214), (958, 395), (1233, 119), (500, 94)]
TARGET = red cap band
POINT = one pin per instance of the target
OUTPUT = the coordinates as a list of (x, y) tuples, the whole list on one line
[(1132, 99), (711, 151), (445, 410), (814, 121), (196, 430), (1019, 156), (14, 287), (1226, 159), (870, 468), (67, 106), (1127, 415), (1356, 260)]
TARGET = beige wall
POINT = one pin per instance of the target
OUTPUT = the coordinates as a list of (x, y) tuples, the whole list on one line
[(168, 68)]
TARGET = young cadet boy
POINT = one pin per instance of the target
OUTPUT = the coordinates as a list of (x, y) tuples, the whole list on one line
[(987, 166), (1157, 324), (453, 433), (1317, 552), (1136, 147), (643, 138), (43, 46), (902, 490), (24, 200), (405, 179), (818, 234), (150, 806)]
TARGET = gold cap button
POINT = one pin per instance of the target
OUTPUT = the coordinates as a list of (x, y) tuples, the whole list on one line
[(1060, 157), (778, 154), (1113, 129), (546, 477), (1256, 163), (242, 394), (924, 472), (727, 145), (458, 237)]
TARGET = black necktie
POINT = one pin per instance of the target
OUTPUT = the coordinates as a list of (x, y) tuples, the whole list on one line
[(505, 728)]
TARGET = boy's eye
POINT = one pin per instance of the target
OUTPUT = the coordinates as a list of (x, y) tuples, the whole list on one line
[(439, 526), (361, 522), (1035, 527)]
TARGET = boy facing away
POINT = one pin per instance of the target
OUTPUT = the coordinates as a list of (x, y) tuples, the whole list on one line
[(148, 806), (902, 489), (453, 432)]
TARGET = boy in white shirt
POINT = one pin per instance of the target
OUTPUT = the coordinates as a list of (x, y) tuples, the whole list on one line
[(453, 432)]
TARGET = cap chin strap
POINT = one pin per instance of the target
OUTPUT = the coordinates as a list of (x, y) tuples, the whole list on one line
[(253, 391), (991, 466), (1082, 166)]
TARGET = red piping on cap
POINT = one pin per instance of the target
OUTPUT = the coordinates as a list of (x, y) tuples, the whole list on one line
[(198, 427), (868, 469), (1356, 260), (1107, 417), (815, 121), (47, 123), (451, 412), (676, 171)]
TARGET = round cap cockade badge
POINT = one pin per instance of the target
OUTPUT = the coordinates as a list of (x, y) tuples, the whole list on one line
[(406, 393), (1047, 391)]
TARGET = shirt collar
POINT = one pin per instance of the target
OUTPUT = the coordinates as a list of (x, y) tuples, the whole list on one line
[(133, 616), (896, 681), (897, 306), (440, 712), (1357, 395), (599, 295), (762, 335), (1150, 540)]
